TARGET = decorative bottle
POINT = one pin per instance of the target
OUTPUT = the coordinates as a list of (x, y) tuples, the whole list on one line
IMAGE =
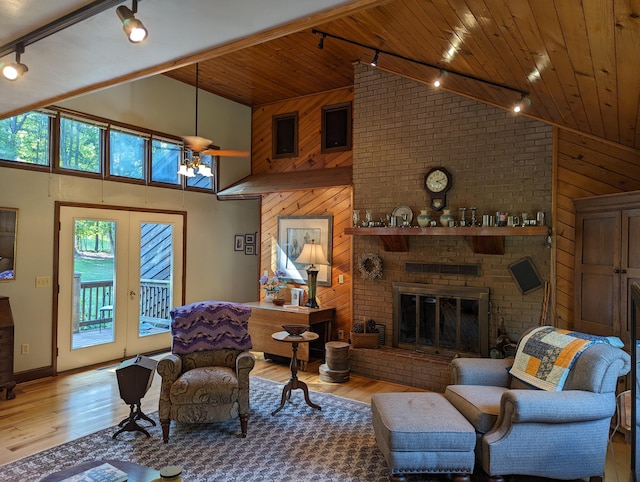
[(446, 217)]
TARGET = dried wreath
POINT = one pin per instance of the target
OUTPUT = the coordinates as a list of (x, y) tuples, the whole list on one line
[(370, 266)]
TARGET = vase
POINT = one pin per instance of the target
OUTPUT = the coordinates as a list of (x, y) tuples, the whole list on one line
[(270, 295), (446, 217), (423, 218)]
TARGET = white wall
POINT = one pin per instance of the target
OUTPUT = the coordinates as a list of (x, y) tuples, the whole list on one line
[(214, 269)]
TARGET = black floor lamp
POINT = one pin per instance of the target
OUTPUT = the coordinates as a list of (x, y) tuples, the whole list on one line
[(312, 254)]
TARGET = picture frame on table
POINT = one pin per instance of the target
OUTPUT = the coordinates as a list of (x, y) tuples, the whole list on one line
[(238, 244), (293, 233)]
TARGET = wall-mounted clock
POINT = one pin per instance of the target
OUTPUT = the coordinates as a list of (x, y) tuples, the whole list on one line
[(437, 182)]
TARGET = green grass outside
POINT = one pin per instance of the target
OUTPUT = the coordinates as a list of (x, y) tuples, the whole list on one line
[(94, 269)]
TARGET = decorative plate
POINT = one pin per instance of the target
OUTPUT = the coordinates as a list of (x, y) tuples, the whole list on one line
[(400, 210)]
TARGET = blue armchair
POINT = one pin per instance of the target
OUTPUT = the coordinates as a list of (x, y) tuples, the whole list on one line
[(525, 431)]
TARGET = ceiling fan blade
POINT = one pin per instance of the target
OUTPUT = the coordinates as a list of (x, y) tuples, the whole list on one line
[(196, 143), (225, 153)]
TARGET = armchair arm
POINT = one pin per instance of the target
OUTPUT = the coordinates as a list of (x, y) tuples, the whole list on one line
[(526, 406), (244, 364), (169, 368), (481, 371)]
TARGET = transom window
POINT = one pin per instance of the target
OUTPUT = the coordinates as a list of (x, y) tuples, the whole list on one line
[(94, 147)]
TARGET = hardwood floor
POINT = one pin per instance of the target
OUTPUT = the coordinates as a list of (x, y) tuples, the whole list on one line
[(52, 411)]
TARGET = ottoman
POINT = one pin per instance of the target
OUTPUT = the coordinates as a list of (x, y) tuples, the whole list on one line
[(422, 433)]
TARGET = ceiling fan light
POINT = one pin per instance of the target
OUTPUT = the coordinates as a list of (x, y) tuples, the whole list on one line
[(183, 170), (190, 172), (205, 170)]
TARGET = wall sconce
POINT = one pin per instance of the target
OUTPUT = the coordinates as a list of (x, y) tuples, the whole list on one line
[(17, 69), (133, 28)]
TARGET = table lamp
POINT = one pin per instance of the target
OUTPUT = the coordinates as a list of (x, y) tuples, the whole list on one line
[(311, 255)]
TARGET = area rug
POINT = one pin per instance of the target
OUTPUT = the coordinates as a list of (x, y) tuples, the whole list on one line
[(298, 443)]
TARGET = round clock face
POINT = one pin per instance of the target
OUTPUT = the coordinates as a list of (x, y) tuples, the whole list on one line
[(437, 180)]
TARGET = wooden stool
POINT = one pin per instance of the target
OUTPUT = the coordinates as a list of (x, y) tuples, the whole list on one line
[(336, 368)]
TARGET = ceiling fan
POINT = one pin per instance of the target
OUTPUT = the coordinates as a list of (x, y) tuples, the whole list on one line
[(198, 146)]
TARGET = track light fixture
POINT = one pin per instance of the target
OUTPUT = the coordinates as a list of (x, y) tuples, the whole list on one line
[(440, 78), (321, 43), (524, 101), (17, 69), (521, 104), (374, 60), (133, 28)]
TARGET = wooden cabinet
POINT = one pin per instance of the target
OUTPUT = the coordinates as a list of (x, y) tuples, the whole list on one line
[(6, 348), (267, 318), (607, 263)]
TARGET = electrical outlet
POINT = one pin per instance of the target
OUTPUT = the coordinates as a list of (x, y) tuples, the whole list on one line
[(340, 334), (340, 278), (43, 281), (24, 349)]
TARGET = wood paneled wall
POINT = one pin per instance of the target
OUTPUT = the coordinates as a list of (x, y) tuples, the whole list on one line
[(309, 110), (327, 201), (585, 167)]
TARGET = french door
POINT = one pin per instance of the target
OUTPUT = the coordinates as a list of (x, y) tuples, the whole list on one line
[(119, 275)]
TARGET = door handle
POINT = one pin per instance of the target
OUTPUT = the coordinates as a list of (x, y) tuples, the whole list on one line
[(616, 271), (623, 271)]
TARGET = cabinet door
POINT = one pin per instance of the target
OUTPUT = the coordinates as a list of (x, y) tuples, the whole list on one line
[(629, 265), (597, 283)]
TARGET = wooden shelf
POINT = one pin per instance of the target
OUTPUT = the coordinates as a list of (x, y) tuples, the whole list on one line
[(483, 240)]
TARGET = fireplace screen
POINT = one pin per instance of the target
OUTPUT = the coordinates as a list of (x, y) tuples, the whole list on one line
[(438, 319)]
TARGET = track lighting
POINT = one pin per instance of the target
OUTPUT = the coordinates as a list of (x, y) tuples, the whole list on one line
[(522, 103), (321, 43), (133, 28), (374, 60), (17, 69), (440, 78)]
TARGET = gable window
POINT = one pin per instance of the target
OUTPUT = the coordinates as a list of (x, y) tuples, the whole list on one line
[(126, 154), (25, 138), (80, 145)]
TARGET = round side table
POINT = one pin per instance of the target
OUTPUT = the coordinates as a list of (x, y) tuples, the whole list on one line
[(294, 383)]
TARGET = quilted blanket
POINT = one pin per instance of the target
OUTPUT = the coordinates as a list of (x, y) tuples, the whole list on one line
[(210, 325), (546, 354)]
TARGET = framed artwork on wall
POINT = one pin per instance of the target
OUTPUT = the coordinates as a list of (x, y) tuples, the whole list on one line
[(249, 238), (296, 231), (249, 249)]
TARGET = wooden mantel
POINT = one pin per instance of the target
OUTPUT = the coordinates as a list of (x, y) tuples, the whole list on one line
[(482, 240), (255, 185)]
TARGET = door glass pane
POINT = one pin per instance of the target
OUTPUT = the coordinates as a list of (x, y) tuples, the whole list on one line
[(156, 270), (427, 332), (407, 323), (448, 322), (93, 281)]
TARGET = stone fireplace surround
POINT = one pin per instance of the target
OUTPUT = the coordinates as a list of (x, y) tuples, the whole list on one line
[(498, 162)]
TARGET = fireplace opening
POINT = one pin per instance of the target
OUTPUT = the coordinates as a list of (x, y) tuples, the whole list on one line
[(441, 319)]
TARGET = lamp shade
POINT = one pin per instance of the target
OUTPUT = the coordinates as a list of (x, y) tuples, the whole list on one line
[(312, 254)]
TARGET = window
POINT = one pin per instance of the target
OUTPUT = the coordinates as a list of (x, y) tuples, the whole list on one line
[(80, 145), (25, 138), (126, 157), (91, 145), (165, 161)]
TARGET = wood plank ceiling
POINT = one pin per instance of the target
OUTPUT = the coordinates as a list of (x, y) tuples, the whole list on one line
[(576, 59)]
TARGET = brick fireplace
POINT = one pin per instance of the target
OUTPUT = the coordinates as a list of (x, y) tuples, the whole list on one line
[(498, 161)]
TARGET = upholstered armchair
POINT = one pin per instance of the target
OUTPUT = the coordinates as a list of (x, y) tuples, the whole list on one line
[(206, 377), (540, 432)]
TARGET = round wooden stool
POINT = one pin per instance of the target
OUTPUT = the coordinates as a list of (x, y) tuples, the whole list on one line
[(336, 368)]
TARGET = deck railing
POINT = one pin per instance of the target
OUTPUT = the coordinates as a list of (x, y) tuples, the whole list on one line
[(93, 303)]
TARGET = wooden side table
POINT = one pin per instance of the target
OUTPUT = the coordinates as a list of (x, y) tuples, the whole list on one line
[(294, 383)]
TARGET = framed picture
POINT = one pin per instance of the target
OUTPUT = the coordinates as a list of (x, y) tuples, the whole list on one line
[(249, 239), (297, 296), (239, 242), (296, 231), (8, 237), (249, 249)]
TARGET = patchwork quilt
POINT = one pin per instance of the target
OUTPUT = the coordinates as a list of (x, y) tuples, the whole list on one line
[(546, 354), (210, 325)]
